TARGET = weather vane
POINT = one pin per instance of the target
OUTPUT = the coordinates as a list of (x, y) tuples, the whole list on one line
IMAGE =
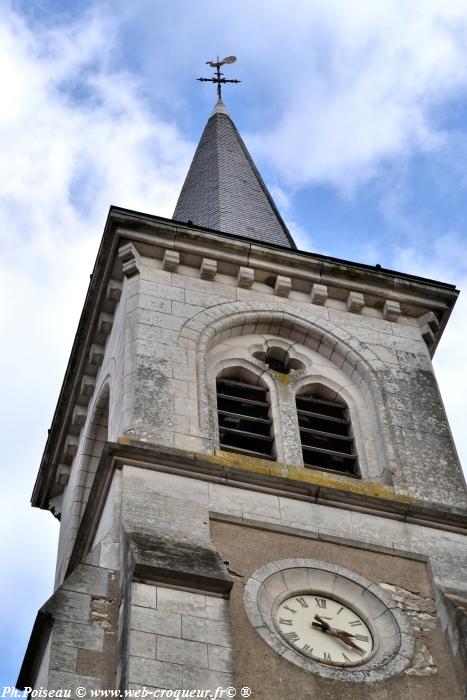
[(218, 76)]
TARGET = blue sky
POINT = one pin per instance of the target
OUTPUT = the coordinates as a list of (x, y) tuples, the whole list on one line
[(355, 112)]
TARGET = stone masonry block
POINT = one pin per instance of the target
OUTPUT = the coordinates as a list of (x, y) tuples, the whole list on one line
[(211, 631), (105, 323), (217, 608), (82, 636), (87, 579), (158, 674), (172, 600), (391, 310), (143, 644), (144, 595), (355, 302), (58, 680), (208, 269), (319, 294), (282, 286), (70, 605), (63, 658), (199, 678), (155, 621), (182, 651), (220, 658), (114, 290), (245, 277), (171, 260)]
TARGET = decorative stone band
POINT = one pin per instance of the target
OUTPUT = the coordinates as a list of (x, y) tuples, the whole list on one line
[(394, 642)]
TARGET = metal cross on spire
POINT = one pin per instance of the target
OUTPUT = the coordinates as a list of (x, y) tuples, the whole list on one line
[(218, 76)]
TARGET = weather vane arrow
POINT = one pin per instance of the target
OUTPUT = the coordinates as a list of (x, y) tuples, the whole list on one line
[(218, 77)]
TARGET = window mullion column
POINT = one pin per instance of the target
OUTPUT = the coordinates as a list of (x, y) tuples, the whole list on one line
[(286, 423)]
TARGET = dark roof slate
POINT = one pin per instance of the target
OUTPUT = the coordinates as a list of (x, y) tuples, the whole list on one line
[(224, 190)]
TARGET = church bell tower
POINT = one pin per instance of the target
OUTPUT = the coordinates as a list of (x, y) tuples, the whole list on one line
[(254, 475)]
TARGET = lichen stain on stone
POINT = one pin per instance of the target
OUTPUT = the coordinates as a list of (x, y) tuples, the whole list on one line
[(152, 396), (281, 377), (299, 473), (125, 440), (256, 464)]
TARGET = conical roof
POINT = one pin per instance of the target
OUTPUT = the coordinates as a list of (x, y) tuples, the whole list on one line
[(224, 190)]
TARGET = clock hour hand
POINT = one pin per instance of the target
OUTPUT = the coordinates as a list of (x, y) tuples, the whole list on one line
[(340, 634)]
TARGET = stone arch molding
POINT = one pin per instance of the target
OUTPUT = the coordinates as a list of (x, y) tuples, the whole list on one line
[(305, 330)]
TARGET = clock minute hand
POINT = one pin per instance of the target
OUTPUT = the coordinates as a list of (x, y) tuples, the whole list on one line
[(340, 634)]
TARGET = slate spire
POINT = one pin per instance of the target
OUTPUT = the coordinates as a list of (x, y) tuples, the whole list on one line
[(224, 190)]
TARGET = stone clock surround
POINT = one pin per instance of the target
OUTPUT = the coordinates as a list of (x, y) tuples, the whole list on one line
[(368, 599)]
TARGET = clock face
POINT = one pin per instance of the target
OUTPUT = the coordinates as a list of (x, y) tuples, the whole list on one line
[(324, 629)]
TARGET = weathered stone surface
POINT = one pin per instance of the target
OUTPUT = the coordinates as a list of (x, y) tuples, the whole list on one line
[(182, 651), (81, 635), (212, 631), (171, 600), (143, 644), (155, 673), (144, 595)]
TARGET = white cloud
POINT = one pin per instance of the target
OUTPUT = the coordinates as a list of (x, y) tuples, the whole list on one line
[(367, 81)]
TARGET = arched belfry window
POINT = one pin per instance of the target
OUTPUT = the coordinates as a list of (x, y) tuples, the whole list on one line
[(326, 431), (244, 412)]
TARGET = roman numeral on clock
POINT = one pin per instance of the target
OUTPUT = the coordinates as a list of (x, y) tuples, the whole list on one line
[(302, 602), (286, 607), (306, 648), (355, 623), (284, 622), (361, 637), (321, 603), (326, 656), (292, 636)]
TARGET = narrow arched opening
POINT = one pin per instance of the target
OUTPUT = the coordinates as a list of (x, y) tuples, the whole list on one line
[(244, 414), (325, 431)]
